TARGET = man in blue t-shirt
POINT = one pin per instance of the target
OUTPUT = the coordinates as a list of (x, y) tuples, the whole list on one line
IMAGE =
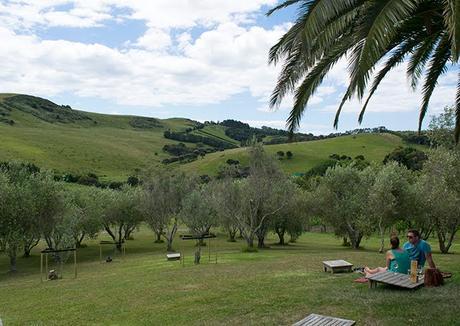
[(418, 249)]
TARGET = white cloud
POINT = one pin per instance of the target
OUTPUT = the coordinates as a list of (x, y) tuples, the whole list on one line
[(154, 40), (206, 71), (395, 95), (162, 14), (167, 65)]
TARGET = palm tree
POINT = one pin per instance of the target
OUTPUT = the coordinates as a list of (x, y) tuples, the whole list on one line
[(425, 33)]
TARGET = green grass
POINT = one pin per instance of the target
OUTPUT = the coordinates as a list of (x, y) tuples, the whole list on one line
[(274, 286), (111, 147), (374, 147), (217, 132)]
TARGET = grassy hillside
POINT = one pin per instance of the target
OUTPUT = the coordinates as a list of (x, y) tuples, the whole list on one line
[(113, 147), (53, 137), (374, 147), (217, 132)]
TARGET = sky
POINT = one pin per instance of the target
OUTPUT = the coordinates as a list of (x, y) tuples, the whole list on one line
[(198, 59)]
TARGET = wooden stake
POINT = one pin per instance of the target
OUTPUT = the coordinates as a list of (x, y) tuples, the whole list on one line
[(41, 267), (75, 263)]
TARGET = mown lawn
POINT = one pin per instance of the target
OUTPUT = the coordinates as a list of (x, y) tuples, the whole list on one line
[(275, 286)]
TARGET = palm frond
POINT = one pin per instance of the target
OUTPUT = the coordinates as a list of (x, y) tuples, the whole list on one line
[(437, 66), (452, 21), (419, 59), (395, 59), (380, 24), (312, 81)]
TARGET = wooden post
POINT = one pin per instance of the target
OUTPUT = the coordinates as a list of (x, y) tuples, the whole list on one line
[(75, 263), (100, 253), (41, 267), (183, 259), (209, 249), (61, 268), (46, 265)]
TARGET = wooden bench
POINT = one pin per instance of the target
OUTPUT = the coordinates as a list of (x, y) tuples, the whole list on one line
[(395, 279), (319, 320), (173, 256), (337, 266)]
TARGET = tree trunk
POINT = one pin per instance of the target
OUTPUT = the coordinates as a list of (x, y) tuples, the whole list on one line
[(114, 238), (170, 237), (29, 245), (79, 240), (12, 255), (261, 241), (345, 242), (231, 235), (197, 255), (158, 235), (382, 239), (13, 267), (355, 240), (250, 241), (280, 232)]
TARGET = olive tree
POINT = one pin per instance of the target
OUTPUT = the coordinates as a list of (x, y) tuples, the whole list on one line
[(121, 213), (440, 183), (388, 196), (198, 212), (15, 205), (161, 202), (292, 218), (263, 195), (341, 199), (227, 196), (84, 209)]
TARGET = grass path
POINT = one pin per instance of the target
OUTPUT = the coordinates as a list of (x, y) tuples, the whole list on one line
[(274, 286)]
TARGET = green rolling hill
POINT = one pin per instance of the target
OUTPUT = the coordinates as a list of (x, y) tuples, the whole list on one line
[(56, 137), (374, 147), (113, 147)]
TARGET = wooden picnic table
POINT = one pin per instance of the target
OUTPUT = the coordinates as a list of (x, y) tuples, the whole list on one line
[(337, 265), (395, 279), (319, 320)]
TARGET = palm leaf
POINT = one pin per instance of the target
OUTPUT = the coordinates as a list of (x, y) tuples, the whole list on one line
[(437, 67)]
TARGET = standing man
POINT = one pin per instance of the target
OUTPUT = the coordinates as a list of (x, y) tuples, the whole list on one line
[(418, 249)]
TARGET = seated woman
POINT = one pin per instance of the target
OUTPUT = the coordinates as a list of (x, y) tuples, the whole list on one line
[(397, 260)]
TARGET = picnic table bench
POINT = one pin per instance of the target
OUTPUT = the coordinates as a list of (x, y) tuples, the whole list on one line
[(319, 320), (395, 279), (337, 265), (173, 256)]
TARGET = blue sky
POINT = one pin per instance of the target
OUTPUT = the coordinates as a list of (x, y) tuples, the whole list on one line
[(200, 59)]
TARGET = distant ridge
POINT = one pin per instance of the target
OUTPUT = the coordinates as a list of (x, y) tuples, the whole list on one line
[(114, 147)]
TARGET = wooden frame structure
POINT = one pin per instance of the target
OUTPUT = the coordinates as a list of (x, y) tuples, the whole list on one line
[(113, 243), (46, 252), (201, 237)]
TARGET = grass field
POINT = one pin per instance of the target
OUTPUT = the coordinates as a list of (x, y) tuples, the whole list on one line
[(374, 147), (275, 286)]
